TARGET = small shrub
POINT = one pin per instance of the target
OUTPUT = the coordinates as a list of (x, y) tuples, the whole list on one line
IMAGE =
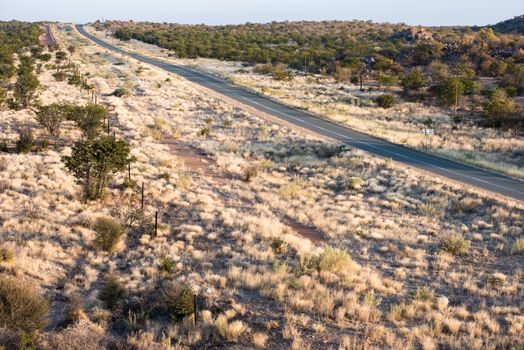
[(6, 254), (293, 189), (496, 280), (60, 76), (250, 172), (424, 294), (454, 243), (335, 260), (385, 101), (121, 92), (183, 181), (518, 247), (164, 176), (179, 301), (279, 246), (22, 308), (3, 146), (430, 210), (166, 264), (25, 142), (112, 292), (205, 131), (354, 183), (108, 234)]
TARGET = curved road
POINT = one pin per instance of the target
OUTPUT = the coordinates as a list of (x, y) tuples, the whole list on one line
[(466, 174)]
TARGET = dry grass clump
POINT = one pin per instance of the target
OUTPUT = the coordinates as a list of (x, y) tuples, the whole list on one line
[(230, 331), (260, 340), (454, 243), (293, 189), (335, 261), (22, 308), (109, 234), (6, 255), (518, 247)]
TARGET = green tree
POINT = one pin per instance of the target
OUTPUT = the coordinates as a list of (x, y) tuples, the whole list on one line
[(89, 119), (426, 52), (387, 80), (27, 84), (95, 163), (7, 67), (414, 81), (500, 110), (52, 116), (449, 91)]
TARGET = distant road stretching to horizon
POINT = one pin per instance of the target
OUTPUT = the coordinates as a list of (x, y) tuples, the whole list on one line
[(466, 174)]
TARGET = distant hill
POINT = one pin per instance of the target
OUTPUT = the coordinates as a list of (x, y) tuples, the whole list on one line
[(515, 25)]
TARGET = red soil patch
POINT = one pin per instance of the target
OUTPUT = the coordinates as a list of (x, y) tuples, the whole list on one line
[(199, 162)]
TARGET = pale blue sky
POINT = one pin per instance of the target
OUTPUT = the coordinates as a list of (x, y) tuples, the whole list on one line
[(426, 12)]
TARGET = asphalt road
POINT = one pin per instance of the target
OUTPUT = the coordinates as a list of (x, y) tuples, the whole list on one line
[(466, 174)]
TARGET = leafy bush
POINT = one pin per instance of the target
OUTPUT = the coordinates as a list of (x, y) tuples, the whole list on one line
[(27, 84), (454, 243), (60, 76), (52, 116), (250, 172), (108, 234), (25, 142), (500, 110), (385, 101), (179, 301), (22, 308), (90, 120), (95, 162), (112, 292), (278, 245)]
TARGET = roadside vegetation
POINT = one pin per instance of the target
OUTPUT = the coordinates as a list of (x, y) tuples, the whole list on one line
[(124, 226)]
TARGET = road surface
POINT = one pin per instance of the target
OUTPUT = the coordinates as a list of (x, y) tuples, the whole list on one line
[(466, 174)]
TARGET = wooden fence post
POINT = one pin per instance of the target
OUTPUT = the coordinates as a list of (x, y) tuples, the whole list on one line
[(142, 195)]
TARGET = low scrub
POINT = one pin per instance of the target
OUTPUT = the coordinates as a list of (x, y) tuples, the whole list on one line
[(454, 243), (179, 301), (109, 233), (22, 308)]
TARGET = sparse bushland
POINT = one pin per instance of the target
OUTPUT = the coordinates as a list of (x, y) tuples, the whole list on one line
[(22, 308), (222, 232), (26, 88), (109, 234)]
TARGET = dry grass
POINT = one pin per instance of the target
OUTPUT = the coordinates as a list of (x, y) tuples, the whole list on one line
[(378, 279)]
